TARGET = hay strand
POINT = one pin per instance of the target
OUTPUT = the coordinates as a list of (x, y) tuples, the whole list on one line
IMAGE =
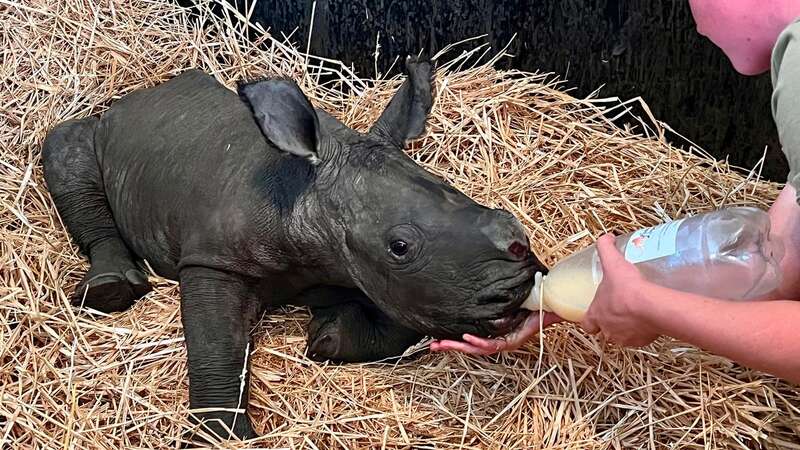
[(516, 140)]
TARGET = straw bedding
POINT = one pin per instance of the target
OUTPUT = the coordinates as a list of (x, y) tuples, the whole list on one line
[(69, 379)]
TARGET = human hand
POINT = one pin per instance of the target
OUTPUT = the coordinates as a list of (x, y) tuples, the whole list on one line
[(617, 311), (480, 346)]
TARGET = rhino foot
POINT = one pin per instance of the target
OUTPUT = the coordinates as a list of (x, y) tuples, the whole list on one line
[(111, 291), (355, 332), (216, 426)]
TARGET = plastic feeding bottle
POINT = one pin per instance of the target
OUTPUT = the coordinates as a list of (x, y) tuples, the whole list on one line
[(723, 254)]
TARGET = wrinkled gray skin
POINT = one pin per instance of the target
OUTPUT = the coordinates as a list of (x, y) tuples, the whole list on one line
[(255, 200)]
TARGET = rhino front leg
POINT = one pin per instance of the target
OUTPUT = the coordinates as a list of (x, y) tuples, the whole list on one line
[(356, 331), (217, 310)]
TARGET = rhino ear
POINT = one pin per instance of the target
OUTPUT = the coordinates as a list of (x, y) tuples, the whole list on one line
[(404, 118), (285, 115)]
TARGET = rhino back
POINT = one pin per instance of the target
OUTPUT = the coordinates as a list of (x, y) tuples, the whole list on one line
[(189, 176)]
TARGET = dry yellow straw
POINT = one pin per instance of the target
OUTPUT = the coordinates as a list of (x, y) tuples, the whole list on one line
[(514, 140)]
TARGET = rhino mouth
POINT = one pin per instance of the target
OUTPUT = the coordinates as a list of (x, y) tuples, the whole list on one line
[(509, 294), (494, 310), (504, 325)]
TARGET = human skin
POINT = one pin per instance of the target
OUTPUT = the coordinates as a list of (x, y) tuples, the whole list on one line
[(746, 30), (763, 335), (253, 199), (630, 311)]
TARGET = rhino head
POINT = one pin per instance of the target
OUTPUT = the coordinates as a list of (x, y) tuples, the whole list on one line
[(426, 254)]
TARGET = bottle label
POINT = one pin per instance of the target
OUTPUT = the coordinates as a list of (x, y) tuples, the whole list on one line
[(653, 243)]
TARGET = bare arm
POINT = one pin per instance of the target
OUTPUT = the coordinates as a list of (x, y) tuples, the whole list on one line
[(764, 335), (629, 310), (761, 335)]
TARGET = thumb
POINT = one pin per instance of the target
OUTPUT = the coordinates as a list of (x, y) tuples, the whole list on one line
[(608, 253), (537, 321), (550, 318)]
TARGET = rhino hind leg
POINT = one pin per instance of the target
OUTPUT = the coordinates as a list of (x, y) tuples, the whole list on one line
[(356, 331), (73, 178)]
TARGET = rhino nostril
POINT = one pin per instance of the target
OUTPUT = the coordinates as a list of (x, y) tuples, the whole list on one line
[(518, 249)]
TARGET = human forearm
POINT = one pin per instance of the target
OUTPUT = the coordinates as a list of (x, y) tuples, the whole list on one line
[(761, 335)]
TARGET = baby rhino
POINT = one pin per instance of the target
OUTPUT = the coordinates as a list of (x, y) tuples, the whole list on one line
[(254, 198)]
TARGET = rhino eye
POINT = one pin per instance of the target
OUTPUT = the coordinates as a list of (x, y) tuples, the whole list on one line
[(399, 247)]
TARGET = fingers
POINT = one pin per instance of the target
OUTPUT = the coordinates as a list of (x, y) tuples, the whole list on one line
[(550, 319), (640, 341), (625, 340), (589, 325), (535, 322), (481, 346), (608, 253), (458, 346), (488, 345), (475, 345)]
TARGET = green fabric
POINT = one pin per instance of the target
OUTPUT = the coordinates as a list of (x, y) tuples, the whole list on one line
[(786, 97)]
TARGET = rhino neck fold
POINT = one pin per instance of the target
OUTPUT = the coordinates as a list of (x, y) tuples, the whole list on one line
[(315, 238)]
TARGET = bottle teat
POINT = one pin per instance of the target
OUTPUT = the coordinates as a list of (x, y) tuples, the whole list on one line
[(534, 300)]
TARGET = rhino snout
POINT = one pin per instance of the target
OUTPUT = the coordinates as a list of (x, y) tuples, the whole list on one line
[(507, 235)]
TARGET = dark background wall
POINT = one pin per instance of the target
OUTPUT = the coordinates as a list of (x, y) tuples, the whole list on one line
[(646, 48)]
